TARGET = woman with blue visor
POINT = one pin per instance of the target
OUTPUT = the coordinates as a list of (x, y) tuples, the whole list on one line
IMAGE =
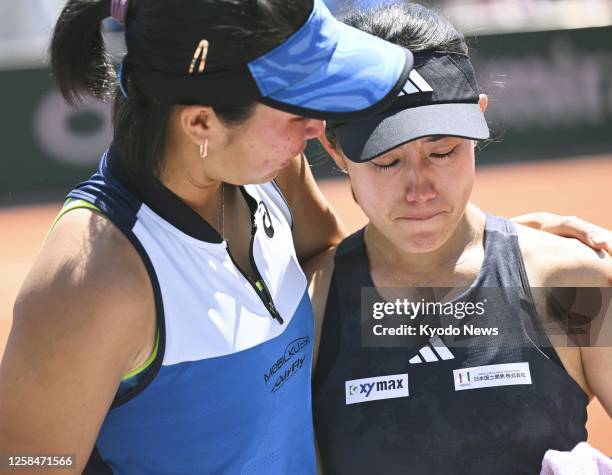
[(165, 326), (444, 330)]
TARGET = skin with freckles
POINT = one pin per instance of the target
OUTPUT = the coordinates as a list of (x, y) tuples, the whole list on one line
[(254, 151)]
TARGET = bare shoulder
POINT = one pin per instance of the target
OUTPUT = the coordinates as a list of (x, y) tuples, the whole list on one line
[(80, 320), (557, 261), (553, 261), (88, 264)]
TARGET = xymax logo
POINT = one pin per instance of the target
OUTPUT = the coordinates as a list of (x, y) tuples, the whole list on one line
[(366, 388), (372, 389)]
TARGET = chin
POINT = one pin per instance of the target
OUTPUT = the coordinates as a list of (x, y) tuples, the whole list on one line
[(421, 241), (422, 244)]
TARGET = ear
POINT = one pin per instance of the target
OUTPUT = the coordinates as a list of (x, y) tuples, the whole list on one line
[(483, 102), (333, 150), (199, 123)]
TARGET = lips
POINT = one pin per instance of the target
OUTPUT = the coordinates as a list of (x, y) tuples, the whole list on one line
[(424, 216)]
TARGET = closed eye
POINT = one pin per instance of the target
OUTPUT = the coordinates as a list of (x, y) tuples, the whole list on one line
[(444, 156), (386, 166)]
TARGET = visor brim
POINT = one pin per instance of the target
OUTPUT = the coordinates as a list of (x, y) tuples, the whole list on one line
[(365, 140), (353, 74)]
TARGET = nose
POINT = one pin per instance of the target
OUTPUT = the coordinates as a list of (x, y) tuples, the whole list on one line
[(314, 128), (419, 184)]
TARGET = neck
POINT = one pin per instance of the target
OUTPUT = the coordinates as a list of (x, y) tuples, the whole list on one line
[(187, 180), (461, 253)]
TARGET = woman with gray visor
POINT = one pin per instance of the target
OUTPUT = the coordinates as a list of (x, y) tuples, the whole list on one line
[(416, 389)]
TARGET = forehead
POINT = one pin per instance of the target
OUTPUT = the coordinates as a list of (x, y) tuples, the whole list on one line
[(430, 140)]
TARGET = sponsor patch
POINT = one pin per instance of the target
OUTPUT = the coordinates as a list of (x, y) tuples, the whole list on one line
[(507, 374), (376, 388)]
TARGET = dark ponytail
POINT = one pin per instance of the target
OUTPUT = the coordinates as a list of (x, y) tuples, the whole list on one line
[(79, 60)]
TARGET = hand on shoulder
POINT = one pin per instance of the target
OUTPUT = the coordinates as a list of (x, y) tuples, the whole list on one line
[(554, 261)]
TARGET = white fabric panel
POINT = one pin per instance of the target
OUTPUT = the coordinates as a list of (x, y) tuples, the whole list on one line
[(280, 272), (210, 308)]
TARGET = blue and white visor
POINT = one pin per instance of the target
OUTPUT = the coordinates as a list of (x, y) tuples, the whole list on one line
[(324, 70)]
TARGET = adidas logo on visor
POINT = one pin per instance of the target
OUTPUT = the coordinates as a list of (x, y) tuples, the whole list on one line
[(428, 355), (416, 83)]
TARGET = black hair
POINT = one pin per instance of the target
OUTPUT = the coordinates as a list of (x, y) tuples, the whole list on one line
[(240, 30), (409, 25)]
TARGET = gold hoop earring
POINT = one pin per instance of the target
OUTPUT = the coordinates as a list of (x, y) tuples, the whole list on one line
[(204, 149)]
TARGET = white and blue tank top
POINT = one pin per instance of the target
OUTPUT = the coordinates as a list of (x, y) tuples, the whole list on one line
[(227, 389)]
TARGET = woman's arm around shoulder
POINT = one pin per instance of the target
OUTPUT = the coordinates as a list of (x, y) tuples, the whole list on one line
[(319, 271), (316, 227), (84, 316), (588, 233)]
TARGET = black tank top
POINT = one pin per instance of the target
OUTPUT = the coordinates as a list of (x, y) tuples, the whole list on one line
[(436, 428)]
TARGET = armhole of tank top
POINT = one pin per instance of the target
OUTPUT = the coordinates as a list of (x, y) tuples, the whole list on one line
[(548, 350), (71, 204), (149, 369), (147, 363)]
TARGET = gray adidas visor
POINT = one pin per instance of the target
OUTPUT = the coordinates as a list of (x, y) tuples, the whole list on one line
[(439, 98)]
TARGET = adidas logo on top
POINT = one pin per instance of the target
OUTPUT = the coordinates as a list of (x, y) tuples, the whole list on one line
[(435, 350)]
